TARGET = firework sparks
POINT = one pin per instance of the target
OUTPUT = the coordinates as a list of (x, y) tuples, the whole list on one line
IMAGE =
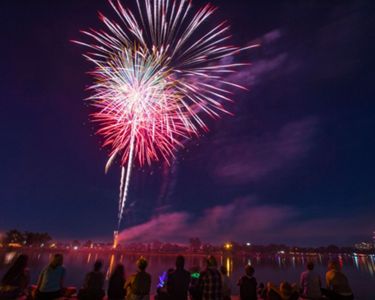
[(155, 76)]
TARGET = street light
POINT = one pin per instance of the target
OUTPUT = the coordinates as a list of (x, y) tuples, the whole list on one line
[(228, 246)]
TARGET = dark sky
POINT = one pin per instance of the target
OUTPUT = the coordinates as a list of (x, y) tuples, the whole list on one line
[(295, 164)]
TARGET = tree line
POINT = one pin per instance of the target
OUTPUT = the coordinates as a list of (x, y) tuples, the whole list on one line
[(26, 238)]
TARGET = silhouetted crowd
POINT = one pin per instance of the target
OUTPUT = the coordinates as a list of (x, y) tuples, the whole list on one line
[(212, 283)]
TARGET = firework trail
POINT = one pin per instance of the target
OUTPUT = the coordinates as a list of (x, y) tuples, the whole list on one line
[(156, 73)]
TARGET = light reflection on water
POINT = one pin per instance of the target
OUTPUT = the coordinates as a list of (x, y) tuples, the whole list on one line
[(360, 269)]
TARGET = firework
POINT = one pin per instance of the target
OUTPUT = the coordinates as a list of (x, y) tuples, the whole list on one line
[(157, 73)]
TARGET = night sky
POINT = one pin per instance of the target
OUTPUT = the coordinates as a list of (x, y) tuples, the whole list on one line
[(295, 164)]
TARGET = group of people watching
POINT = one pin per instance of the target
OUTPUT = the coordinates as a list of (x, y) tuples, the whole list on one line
[(212, 283), (310, 286)]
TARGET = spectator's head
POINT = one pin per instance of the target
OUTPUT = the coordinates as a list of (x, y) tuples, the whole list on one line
[(223, 270), (286, 290), (19, 265), (310, 265), (119, 271), (333, 265), (249, 270), (21, 262), (180, 262), (57, 260), (98, 265), (142, 263), (261, 285), (211, 261)]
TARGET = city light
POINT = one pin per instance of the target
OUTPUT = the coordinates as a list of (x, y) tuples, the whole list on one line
[(228, 246)]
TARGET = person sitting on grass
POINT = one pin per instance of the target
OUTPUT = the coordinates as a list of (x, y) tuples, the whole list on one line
[(310, 283), (262, 291), (337, 283), (285, 291)]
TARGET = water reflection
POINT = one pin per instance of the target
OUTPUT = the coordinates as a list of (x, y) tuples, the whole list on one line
[(110, 268), (355, 257), (229, 265)]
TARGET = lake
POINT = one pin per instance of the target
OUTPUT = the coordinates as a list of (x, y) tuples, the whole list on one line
[(360, 269)]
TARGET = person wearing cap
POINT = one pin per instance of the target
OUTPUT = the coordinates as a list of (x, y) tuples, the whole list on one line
[(338, 287)]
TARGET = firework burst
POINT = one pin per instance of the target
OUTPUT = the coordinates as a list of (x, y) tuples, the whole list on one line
[(156, 74)]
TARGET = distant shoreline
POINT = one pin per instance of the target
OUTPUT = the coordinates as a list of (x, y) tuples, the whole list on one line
[(174, 253)]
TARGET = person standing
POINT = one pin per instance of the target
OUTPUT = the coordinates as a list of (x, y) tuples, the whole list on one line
[(116, 290), (210, 283), (310, 283), (248, 284), (179, 281), (139, 284), (51, 280)]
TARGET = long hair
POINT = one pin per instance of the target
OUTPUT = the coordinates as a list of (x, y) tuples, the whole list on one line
[(57, 260), (18, 267), (119, 272)]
